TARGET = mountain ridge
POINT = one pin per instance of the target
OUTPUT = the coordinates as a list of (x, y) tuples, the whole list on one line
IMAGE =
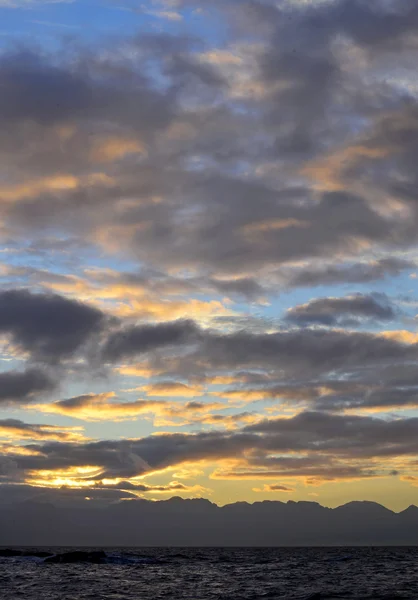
[(199, 522)]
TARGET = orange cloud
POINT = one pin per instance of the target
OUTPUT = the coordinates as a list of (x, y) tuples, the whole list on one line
[(141, 370), (171, 388), (230, 422), (310, 476), (114, 148), (220, 57), (22, 431), (285, 393), (274, 488), (274, 225), (84, 476), (410, 479), (12, 450), (402, 335), (170, 310), (104, 407), (99, 407), (187, 473), (108, 292), (327, 172), (54, 184), (223, 379)]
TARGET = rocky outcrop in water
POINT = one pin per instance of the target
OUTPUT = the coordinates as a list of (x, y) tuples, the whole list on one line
[(78, 556)]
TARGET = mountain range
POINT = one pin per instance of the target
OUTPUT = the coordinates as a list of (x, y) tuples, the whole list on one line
[(199, 522)]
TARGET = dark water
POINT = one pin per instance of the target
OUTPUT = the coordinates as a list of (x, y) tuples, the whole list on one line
[(218, 574)]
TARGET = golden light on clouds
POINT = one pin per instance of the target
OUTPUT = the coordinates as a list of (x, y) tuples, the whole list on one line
[(55, 184), (274, 225), (171, 389), (209, 252), (401, 335), (328, 172), (114, 148), (41, 432), (73, 477), (274, 488), (101, 407)]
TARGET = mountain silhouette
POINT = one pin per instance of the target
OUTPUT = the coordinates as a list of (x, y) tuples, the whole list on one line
[(199, 522)]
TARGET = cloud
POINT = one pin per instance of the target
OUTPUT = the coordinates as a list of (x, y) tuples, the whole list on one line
[(410, 479), (212, 136), (346, 311), (145, 296), (328, 369), (217, 175), (171, 15), (23, 387), (328, 448), (274, 488), (98, 495), (143, 488), (61, 496), (379, 399), (18, 430), (101, 407), (69, 93), (366, 272), (171, 389), (313, 349), (47, 326), (106, 407), (242, 287), (311, 361), (141, 339)]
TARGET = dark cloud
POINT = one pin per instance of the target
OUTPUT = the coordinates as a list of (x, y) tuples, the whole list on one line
[(372, 398), (48, 326), (143, 487), (349, 310), (62, 496), (295, 351), (98, 494), (25, 386), (227, 236), (373, 26), (352, 273), (138, 340), (379, 388), (78, 401), (220, 208), (245, 287), (350, 436), (36, 88), (309, 349), (278, 488), (329, 370)]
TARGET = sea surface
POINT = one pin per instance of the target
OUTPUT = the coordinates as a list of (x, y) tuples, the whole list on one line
[(218, 574)]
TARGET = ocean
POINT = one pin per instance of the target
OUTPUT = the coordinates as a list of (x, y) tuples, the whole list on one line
[(217, 574)]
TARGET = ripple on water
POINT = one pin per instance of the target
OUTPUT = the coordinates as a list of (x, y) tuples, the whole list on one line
[(219, 574)]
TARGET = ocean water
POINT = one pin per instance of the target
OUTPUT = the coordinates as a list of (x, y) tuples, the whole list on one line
[(218, 574)]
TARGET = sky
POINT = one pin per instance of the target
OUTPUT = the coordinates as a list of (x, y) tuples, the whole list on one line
[(208, 240)]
